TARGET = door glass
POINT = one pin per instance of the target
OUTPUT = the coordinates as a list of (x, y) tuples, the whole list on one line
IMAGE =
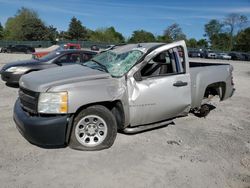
[(75, 58), (62, 59), (86, 57), (164, 63)]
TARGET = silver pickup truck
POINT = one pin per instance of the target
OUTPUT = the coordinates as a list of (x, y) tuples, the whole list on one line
[(129, 88)]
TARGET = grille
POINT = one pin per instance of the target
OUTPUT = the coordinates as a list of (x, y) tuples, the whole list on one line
[(29, 100)]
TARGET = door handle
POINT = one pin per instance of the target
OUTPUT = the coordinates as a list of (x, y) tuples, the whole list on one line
[(180, 84)]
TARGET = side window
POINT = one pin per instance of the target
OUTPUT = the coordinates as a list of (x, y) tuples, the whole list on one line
[(69, 58), (165, 63), (62, 59), (86, 57), (74, 58)]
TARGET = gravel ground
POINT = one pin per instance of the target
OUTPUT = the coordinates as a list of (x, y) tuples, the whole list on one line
[(195, 152)]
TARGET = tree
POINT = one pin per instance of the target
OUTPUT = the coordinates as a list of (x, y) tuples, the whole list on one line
[(242, 41), (142, 36), (202, 43), (76, 31), (174, 33), (1, 31), (25, 25), (234, 22), (52, 33), (106, 35), (213, 27), (221, 41), (192, 43)]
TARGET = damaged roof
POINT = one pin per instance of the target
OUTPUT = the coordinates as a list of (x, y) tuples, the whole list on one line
[(144, 47)]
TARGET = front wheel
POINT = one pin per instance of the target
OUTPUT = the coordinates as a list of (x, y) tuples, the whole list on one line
[(94, 128)]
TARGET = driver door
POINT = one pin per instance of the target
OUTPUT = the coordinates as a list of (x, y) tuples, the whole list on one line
[(163, 90)]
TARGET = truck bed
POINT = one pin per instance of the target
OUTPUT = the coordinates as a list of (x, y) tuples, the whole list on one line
[(204, 74), (197, 64)]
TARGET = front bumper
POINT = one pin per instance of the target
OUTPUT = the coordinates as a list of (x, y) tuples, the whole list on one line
[(10, 78), (42, 131)]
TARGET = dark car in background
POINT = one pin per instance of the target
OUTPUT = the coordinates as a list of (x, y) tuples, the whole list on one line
[(195, 53), (236, 56), (18, 48), (246, 56), (12, 72)]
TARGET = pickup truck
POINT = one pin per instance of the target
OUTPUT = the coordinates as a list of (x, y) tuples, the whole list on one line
[(130, 88)]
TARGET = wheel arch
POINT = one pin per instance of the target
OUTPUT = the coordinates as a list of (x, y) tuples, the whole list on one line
[(217, 88), (116, 107)]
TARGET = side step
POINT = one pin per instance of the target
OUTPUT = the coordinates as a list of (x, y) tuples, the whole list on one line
[(142, 128)]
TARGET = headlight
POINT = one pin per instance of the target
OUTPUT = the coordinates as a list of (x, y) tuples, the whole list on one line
[(53, 103), (17, 69)]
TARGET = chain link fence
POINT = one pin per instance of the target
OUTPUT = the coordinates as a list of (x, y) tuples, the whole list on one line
[(45, 44)]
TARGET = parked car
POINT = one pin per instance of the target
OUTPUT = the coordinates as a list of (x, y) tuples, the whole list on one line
[(246, 56), (210, 54), (94, 48), (223, 56), (194, 53), (236, 56), (12, 72), (18, 48), (130, 88), (61, 47)]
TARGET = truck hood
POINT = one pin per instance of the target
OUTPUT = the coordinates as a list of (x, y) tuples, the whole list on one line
[(41, 81)]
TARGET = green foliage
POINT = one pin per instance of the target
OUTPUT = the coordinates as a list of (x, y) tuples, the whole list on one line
[(233, 23), (213, 27), (222, 35), (52, 34), (173, 33), (243, 41), (142, 36), (1, 31), (76, 31), (202, 43), (221, 41), (25, 25), (192, 43), (109, 35)]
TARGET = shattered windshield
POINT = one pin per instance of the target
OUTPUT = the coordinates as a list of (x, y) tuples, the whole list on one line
[(117, 64)]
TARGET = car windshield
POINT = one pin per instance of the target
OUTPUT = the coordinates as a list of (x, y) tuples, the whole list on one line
[(50, 56), (115, 62)]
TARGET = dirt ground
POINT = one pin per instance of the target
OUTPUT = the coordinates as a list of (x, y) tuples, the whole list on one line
[(211, 152)]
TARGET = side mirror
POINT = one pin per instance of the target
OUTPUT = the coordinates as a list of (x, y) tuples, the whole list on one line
[(137, 76)]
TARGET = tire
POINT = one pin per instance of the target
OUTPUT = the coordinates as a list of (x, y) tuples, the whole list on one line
[(94, 128), (204, 110)]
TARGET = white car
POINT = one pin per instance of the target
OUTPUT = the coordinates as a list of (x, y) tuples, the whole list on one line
[(224, 56)]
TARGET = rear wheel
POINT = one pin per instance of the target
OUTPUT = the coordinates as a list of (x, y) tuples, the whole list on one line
[(204, 110), (94, 128)]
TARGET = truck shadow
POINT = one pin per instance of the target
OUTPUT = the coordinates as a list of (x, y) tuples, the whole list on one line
[(12, 85)]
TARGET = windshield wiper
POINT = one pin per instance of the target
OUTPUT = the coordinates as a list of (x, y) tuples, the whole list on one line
[(101, 65)]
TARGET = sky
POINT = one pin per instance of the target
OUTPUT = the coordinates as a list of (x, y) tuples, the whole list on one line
[(129, 15)]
